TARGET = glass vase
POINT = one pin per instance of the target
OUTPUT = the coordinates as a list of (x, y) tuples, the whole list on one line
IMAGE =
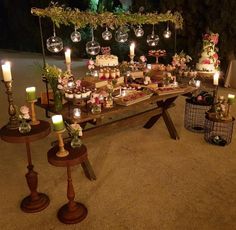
[(76, 142), (96, 109), (57, 97), (24, 127)]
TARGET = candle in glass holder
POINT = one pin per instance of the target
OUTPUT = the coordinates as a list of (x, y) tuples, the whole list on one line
[(6, 70), (67, 56), (132, 46), (76, 113), (31, 93), (149, 66), (231, 99), (197, 83), (58, 124), (216, 78)]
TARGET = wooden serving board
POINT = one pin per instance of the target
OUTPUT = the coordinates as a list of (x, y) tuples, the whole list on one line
[(119, 100), (162, 92)]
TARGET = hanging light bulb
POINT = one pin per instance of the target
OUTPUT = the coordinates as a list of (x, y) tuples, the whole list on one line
[(92, 47), (152, 39), (121, 35), (167, 32), (107, 35), (54, 43), (139, 32), (75, 36)]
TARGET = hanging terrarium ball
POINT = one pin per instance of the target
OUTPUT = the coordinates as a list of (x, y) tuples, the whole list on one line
[(139, 32), (121, 35), (152, 39), (167, 33), (54, 44), (107, 35), (75, 36), (93, 47)]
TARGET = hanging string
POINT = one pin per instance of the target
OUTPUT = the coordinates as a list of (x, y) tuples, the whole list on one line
[(54, 29)]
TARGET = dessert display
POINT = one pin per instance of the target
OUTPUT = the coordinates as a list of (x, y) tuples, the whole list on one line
[(209, 58), (106, 60)]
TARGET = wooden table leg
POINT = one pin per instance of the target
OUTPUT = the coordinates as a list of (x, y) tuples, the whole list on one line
[(72, 212), (35, 202), (88, 170)]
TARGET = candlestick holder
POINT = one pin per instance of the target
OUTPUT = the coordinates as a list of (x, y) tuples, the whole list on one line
[(61, 152), (34, 120), (68, 67), (13, 119), (215, 96), (131, 59)]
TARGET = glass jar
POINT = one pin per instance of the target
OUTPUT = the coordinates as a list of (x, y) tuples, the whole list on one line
[(96, 108), (109, 101), (57, 100), (24, 127), (75, 142)]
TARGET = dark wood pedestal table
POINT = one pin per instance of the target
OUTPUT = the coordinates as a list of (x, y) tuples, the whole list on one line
[(35, 202), (72, 212)]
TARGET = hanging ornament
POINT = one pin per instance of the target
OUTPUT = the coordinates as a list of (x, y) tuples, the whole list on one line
[(121, 35), (152, 39), (139, 32), (75, 36), (92, 47), (167, 32), (107, 35), (54, 43)]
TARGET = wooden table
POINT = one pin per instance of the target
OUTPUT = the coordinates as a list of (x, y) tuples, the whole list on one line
[(72, 212), (35, 202)]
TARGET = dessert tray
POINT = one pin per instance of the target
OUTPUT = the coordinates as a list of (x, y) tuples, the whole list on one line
[(168, 90)]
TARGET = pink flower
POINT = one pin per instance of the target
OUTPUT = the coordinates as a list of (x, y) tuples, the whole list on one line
[(24, 109), (91, 62), (206, 61), (215, 56), (78, 83), (90, 67), (143, 58)]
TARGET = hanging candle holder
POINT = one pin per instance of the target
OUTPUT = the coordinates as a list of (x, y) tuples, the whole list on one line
[(121, 34), (107, 35), (92, 47), (75, 36), (54, 43), (139, 32), (167, 32), (152, 39)]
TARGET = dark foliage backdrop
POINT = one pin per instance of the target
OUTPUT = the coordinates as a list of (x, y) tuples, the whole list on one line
[(20, 30)]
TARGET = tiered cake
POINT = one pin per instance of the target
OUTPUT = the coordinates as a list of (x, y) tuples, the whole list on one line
[(106, 60), (209, 58)]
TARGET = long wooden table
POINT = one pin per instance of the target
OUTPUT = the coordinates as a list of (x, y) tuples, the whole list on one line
[(119, 116)]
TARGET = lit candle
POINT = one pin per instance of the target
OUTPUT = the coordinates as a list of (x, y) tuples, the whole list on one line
[(58, 123), (67, 56), (231, 98), (132, 46), (76, 113), (6, 70), (198, 83), (149, 66), (31, 93), (216, 78)]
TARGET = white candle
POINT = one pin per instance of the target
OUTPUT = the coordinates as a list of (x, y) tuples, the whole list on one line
[(216, 78), (231, 98), (132, 46), (149, 66), (198, 83), (77, 113), (67, 56), (6, 70), (31, 93), (58, 123)]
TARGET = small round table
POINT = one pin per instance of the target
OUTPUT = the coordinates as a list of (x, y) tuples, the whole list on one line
[(35, 202), (72, 212)]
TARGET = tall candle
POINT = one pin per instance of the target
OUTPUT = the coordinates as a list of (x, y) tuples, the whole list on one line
[(31, 93), (231, 98), (67, 56), (58, 123), (6, 70), (132, 46), (216, 78)]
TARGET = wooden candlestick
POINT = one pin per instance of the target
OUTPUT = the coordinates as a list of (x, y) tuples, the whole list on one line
[(34, 121), (62, 152)]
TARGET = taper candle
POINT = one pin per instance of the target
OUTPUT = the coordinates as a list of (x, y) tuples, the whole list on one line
[(216, 78), (6, 71), (132, 46), (30, 93), (58, 123), (67, 56)]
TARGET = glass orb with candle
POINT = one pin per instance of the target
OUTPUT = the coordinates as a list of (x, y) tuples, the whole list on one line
[(107, 35), (93, 48), (139, 32), (152, 39), (121, 35), (75, 36), (54, 44), (167, 33)]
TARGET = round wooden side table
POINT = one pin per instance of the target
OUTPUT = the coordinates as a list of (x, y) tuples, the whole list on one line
[(73, 212), (35, 202)]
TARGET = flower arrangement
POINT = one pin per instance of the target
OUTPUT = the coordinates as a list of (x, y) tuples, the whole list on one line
[(180, 60), (91, 64), (24, 112), (143, 59), (24, 116), (74, 129)]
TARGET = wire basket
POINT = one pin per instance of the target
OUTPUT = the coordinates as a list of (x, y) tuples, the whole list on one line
[(218, 132), (194, 118)]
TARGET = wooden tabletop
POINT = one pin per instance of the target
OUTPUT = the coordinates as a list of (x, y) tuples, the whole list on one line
[(37, 132)]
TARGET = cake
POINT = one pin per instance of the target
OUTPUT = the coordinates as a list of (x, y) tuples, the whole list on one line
[(106, 60), (209, 58)]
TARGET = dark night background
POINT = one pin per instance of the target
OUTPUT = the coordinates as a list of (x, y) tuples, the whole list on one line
[(20, 30)]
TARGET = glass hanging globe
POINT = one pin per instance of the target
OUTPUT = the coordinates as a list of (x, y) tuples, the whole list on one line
[(152, 39), (139, 32), (107, 35), (121, 35), (167, 33), (93, 47), (54, 44), (75, 36)]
